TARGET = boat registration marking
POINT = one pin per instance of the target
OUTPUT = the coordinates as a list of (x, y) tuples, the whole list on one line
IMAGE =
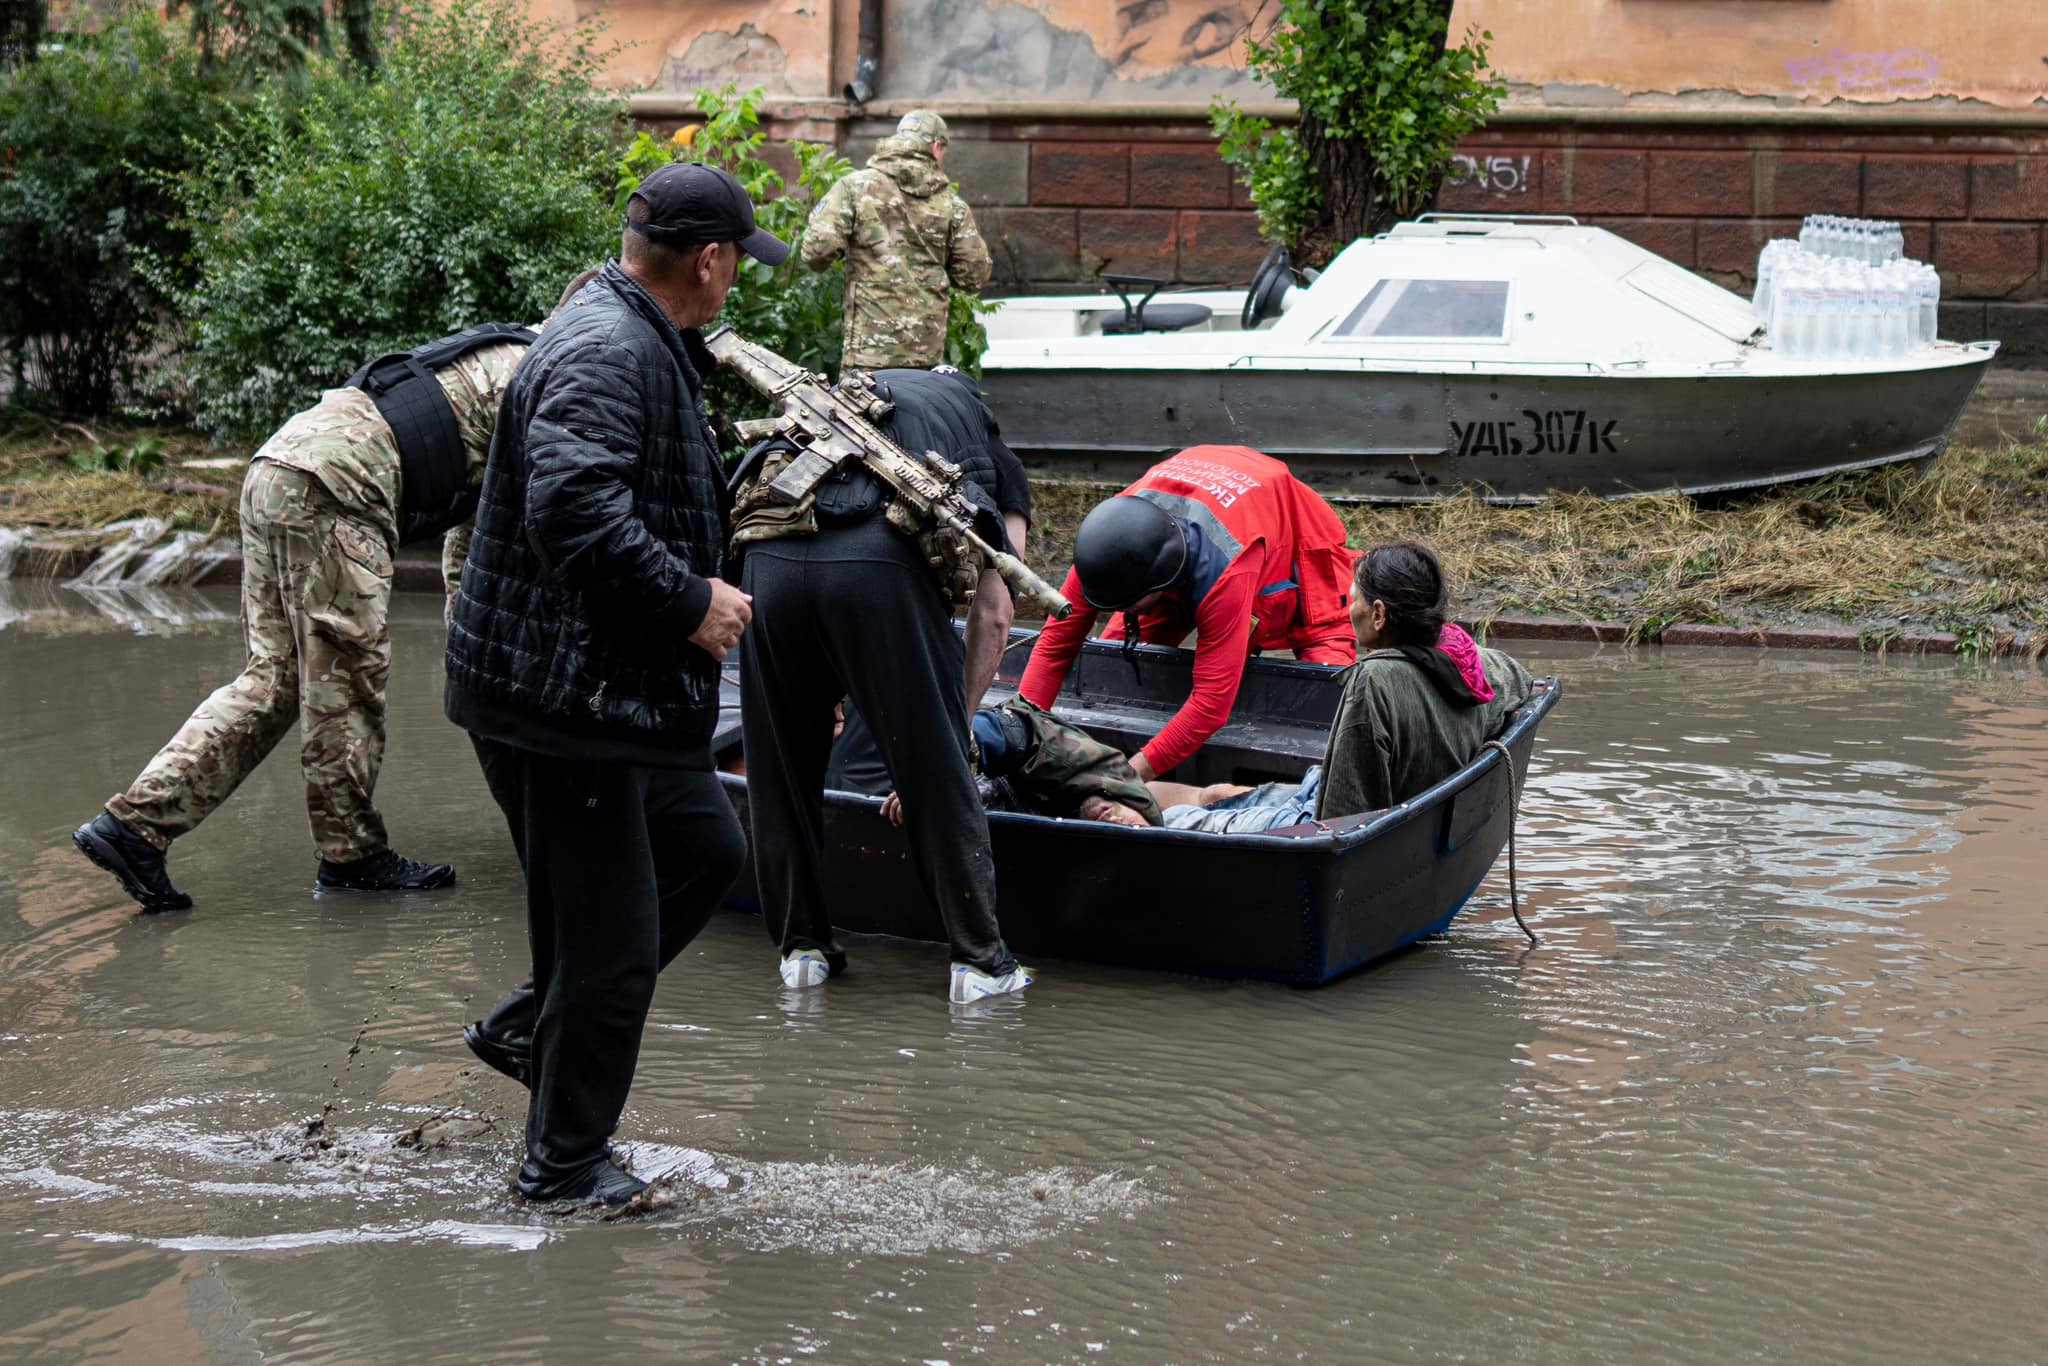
[(1556, 431)]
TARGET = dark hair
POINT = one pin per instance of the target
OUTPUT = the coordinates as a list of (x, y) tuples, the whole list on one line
[(1406, 577)]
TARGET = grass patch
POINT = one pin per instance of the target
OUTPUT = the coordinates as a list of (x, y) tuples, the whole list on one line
[(1961, 546), (43, 486)]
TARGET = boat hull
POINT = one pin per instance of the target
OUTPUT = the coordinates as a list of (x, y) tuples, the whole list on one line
[(1296, 910), (1403, 437)]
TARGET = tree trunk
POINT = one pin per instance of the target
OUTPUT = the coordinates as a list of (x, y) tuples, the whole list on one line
[(1351, 206), (358, 23)]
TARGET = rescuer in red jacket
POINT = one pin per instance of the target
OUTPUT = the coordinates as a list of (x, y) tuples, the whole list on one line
[(1218, 540)]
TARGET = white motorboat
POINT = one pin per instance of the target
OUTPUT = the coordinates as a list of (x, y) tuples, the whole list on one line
[(1512, 355)]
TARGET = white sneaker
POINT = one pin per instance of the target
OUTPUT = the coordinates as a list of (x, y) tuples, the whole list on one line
[(971, 984), (805, 968)]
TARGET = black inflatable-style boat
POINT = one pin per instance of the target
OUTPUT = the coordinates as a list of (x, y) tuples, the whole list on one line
[(1302, 905)]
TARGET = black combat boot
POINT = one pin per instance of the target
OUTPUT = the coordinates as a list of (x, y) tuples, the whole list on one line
[(604, 1182), (384, 871), (133, 859)]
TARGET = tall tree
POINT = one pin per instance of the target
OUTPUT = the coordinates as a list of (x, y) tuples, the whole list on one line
[(1383, 98)]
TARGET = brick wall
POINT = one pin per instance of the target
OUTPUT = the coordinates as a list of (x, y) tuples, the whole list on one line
[(1063, 203)]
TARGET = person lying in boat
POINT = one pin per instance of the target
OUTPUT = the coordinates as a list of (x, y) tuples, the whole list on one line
[(1218, 540), (1029, 760), (1420, 703)]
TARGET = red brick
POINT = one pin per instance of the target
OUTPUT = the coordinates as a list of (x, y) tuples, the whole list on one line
[(1080, 173), (1719, 183), (1173, 177), (1916, 187), (1130, 242), (2009, 188), (1608, 182), (1493, 180), (1987, 260), (1220, 248), (1800, 183), (1670, 238), (1550, 181), (1032, 245), (1729, 247)]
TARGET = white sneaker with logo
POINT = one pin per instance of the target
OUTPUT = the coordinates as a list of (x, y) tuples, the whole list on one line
[(971, 984), (805, 968)]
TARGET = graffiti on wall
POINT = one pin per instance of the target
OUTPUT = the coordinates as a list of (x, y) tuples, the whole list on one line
[(1067, 49), (1491, 175), (1905, 72)]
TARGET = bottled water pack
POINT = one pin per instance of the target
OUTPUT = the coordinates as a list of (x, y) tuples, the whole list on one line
[(1845, 291)]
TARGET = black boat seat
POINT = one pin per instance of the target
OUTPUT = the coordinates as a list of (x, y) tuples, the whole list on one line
[(1144, 315)]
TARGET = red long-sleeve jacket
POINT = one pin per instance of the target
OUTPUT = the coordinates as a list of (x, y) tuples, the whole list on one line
[(1279, 578)]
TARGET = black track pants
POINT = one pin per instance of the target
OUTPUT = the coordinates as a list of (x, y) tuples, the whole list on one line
[(852, 612), (623, 867)]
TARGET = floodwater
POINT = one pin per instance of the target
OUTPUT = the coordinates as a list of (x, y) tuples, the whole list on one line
[(1771, 1087)]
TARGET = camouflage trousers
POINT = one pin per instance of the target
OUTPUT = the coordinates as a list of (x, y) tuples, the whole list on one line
[(316, 592)]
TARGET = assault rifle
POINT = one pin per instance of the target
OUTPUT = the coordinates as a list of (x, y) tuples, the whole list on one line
[(831, 429)]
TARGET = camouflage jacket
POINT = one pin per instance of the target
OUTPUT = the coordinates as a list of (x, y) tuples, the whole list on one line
[(909, 241), (1066, 766), (345, 443)]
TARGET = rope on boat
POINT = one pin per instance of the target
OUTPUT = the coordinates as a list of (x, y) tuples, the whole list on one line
[(1514, 803)]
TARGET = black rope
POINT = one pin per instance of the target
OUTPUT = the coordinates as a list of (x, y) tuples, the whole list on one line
[(1130, 647), (1514, 802)]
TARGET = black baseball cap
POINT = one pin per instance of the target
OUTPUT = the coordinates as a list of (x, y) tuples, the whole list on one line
[(690, 204)]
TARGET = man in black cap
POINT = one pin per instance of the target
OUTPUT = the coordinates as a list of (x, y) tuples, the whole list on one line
[(583, 659)]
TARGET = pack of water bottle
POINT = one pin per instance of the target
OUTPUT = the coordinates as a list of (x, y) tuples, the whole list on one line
[(1845, 291)]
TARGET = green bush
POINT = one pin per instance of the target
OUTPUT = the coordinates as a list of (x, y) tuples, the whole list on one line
[(338, 217), (89, 135)]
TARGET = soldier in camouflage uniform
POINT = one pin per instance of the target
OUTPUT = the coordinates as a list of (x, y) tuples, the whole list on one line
[(320, 514), (909, 241)]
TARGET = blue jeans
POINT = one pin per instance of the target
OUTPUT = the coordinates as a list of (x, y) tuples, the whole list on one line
[(1270, 806)]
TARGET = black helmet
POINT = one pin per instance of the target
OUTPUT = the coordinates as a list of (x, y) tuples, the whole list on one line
[(1126, 549)]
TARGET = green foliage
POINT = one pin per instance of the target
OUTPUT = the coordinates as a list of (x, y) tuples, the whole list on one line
[(339, 217), (1272, 166), (790, 310), (1374, 76), (143, 458), (264, 35), (89, 135)]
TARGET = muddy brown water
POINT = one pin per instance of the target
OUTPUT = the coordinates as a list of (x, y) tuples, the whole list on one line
[(1772, 1086)]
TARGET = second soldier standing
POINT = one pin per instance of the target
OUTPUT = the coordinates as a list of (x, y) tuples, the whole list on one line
[(909, 241)]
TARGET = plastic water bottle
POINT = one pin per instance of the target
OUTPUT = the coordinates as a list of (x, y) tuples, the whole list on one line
[(1772, 260), (1926, 304)]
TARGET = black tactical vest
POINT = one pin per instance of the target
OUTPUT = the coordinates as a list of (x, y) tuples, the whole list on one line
[(434, 491)]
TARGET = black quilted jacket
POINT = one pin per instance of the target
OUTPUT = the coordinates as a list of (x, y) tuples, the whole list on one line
[(603, 517)]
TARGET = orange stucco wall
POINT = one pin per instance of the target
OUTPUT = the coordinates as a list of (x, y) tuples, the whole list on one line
[(1610, 52)]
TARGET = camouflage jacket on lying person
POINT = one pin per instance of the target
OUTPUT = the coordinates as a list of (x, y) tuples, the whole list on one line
[(1046, 766)]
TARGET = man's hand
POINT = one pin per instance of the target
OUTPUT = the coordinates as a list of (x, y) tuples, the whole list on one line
[(1142, 767), (892, 810), (727, 617), (1109, 812)]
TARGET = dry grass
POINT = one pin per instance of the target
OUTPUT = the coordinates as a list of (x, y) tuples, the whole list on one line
[(1962, 546), (40, 488)]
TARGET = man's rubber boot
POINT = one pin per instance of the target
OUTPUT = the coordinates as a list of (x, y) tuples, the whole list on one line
[(134, 860), (384, 871), (501, 1055), (605, 1183)]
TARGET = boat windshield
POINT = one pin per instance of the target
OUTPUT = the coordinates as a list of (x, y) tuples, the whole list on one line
[(1430, 308)]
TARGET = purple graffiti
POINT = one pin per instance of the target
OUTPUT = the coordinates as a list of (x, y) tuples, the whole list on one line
[(1907, 71)]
